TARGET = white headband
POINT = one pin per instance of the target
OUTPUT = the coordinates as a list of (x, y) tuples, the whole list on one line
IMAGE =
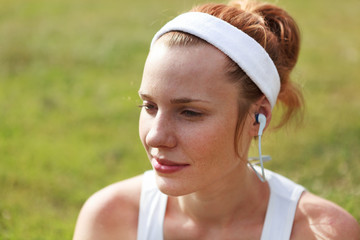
[(240, 47)]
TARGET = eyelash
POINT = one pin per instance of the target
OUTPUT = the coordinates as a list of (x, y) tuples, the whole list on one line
[(147, 106), (192, 114), (187, 113)]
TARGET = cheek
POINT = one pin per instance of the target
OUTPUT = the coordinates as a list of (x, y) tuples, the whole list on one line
[(212, 140)]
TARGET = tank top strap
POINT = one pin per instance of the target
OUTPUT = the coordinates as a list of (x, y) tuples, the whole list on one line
[(283, 201), (152, 209)]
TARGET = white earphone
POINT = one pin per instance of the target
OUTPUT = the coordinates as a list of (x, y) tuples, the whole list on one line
[(261, 119)]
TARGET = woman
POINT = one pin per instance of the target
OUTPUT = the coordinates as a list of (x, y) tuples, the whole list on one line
[(210, 82)]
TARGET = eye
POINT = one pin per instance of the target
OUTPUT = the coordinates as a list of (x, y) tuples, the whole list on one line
[(149, 107), (191, 113)]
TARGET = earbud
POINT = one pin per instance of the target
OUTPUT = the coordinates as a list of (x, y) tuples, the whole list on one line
[(260, 118)]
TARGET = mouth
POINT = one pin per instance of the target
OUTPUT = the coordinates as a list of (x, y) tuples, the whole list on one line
[(165, 166)]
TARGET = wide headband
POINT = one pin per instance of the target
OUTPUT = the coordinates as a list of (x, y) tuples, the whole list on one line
[(240, 47)]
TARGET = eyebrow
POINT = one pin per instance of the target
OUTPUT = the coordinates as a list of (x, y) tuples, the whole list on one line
[(174, 100)]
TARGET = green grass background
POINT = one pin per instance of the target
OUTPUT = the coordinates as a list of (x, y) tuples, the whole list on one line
[(69, 74)]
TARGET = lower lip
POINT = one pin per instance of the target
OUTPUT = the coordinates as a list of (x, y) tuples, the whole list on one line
[(166, 168)]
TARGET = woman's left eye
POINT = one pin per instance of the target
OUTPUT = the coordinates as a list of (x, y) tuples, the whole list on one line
[(190, 113)]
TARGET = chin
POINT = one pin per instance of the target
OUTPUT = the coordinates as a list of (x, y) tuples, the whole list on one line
[(172, 186)]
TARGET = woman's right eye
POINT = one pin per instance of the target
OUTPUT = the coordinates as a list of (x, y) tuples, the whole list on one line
[(148, 107)]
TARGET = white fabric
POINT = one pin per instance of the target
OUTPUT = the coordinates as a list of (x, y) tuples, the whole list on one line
[(152, 209), (284, 197), (283, 201), (240, 47)]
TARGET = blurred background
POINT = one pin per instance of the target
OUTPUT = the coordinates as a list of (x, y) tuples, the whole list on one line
[(69, 75)]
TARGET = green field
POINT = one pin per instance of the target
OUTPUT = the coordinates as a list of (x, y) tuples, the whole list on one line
[(69, 74)]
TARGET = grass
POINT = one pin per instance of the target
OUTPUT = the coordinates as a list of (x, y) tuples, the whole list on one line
[(69, 74)]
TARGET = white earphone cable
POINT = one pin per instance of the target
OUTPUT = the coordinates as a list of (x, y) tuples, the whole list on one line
[(262, 178)]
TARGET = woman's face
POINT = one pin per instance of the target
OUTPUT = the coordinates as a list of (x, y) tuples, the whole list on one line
[(189, 115)]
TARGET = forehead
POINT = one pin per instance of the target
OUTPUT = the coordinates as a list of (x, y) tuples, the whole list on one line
[(194, 58), (193, 69)]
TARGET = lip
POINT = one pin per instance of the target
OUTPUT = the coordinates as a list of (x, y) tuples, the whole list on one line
[(165, 166)]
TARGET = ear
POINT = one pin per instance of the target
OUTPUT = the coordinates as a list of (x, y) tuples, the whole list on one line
[(260, 106)]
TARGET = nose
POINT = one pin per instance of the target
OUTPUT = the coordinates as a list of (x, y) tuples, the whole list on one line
[(161, 133)]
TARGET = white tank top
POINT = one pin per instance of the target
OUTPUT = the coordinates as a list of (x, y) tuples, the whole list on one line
[(284, 197)]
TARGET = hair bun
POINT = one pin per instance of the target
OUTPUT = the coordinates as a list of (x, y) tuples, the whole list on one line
[(284, 27)]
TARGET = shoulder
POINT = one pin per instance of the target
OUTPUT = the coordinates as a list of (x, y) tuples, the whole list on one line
[(318, 218), (112, 211)]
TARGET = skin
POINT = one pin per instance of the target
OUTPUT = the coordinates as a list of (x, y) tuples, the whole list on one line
[(189, 117)]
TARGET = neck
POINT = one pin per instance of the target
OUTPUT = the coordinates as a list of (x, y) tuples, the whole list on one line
[(235, 197)]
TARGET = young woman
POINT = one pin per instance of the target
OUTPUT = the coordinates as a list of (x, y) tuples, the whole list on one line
[(210, 82)]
